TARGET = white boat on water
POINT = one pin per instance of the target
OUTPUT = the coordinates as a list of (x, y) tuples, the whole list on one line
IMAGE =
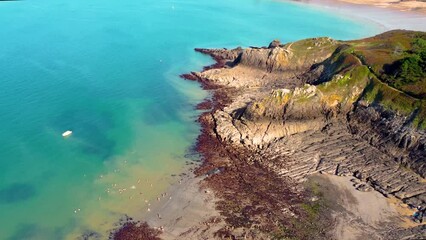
[(66, 133)]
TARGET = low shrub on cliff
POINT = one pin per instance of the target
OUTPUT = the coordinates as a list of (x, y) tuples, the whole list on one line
[(409, 73)]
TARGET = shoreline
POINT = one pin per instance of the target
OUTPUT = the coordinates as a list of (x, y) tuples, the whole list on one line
[(230, 156), (403, 6), (207, 219), (186, 203)]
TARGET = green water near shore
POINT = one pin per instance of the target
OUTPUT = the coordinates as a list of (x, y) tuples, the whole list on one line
[(108, 71)]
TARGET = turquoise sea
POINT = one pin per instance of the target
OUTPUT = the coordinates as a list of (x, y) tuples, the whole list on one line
[(108, 70)]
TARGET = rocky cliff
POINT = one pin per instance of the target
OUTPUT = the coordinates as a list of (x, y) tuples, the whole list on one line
[(323, 80), (354, 108)]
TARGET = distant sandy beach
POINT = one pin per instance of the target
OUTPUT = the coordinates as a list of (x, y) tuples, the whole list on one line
[(388, 15), (415, 6)]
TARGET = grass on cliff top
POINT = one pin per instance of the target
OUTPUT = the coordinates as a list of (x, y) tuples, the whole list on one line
[(390, 98), (345, 89), (379, 93), (359, 70), (409, 73), (397, 58), (312, 47), (392, 75)]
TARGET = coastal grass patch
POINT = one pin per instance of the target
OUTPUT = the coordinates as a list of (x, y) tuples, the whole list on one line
[(380, 93), (356, 70), (398, 58), (395, 64), (312, 47), (419, 120), (344, 89), (314, 220), (417, 89), (312, 210), (409, 73), (316, 201), (269, 105)]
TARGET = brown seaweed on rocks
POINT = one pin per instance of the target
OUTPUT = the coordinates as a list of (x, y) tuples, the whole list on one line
[(130, 229)]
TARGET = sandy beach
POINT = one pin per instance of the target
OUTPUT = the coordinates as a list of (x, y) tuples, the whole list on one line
[(415, 6), (384, 14), (185, 211), (357, 209)]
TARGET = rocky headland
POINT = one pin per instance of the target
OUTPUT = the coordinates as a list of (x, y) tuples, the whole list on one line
[(314, 139), (284, 119)]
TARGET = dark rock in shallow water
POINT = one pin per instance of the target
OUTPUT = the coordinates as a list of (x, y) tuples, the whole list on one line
[(17, 192), (135, 230), (35, 231), (90, 235)]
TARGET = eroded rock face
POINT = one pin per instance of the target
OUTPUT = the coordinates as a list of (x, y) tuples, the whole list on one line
[(389, 132), (273, 59), (222, 54), (289, 57)]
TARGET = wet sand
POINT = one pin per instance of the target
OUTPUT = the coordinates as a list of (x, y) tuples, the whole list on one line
[(354, 210), (185, 211)]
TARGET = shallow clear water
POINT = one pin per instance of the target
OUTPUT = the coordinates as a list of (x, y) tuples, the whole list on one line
[(108, 70)]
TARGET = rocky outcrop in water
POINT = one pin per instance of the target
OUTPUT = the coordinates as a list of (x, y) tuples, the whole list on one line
[(321, 105)]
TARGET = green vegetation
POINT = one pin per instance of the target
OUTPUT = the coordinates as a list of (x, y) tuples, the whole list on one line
[(312, 47), (392, 75), (314, 218), (388, 70), (315, 214), (347, 88), (379, 93), (409, 73)]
